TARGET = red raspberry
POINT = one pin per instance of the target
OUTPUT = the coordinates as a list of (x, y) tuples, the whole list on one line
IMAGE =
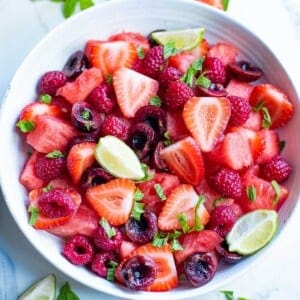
[(240, 110), (177, 94), (56, 203), (78, 250), (51, 82), (104, 242), (113, 125), (228, 183), (101, 262), (169, 74), (214, 70), (153, 61), (222, 219), (50, 166), (277, 168), (102, 98)]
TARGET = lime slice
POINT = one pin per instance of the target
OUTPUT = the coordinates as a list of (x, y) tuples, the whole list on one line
[(252, 231), (183, 39), (44, 289), (118, 158)]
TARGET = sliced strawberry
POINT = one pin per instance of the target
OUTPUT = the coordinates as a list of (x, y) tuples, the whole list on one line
[(44, 222), (126, 249), (82, 86), (50, 133), (28, 177), (176, 126), (113, 200), (200, 50), (254, 121), (215, 3), (80, 157), (133, 90), (89, 45), (197, 241), (184, 159), (239, 88), (181, 61), (151, 199), (182, 200), (277, 103), (206, 118), (110, 56), (223, 51)]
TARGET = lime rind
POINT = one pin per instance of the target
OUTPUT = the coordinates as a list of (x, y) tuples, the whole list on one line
[(253, 231), (186, 39)]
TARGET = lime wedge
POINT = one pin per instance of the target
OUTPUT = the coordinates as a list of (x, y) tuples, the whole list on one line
[(118, 158), (183, 39), (252, 231), (44, 289)]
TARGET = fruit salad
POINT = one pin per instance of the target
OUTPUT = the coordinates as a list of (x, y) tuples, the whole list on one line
[(156, 156)]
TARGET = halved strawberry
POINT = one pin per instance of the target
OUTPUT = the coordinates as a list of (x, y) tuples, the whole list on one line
[(89, 45), (82, 86), (181, 61), (126, 249), (110, 56), (239, 88), (176, 126), (80, 157), (196, 241), (184, 159), (50, 133), (113, 200), (133, 90), (182, 200), (44, 222), (206, 118), (254, 121), (223, 51), (277, 103)]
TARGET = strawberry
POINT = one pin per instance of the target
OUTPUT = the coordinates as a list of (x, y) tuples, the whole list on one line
[(28, 176), (224, 52), (200, 50), (215, 3), (176, 126), (254, 121), (84, 222), (277, 103), (196, 241), (126, 249), (182, 200), (206, 118), (181, 61), (110, 56), (184, 159), (113, 200), (89, 45), (81, 87), (239, 89), (50, 133), (44, 222), (80, 157), (133, 90)]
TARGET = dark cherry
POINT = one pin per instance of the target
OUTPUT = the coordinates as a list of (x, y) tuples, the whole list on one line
[(157, 162), (142, 231), (85, 118), (214, 90), (153, 116), (76, 64), (226, 255), (94, 176), (152, 42), (244, 71), (139, 272), (200, 268), (141, 139)]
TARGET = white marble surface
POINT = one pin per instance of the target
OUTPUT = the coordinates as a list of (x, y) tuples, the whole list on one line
[(23, 23)]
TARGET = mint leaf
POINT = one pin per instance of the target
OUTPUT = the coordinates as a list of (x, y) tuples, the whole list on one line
[(203, 81), (183, 221), (170, 49), (228, 295), (251, 192), (225, 4), (140, 52), (112, 266), (167, 140), (34, 213), (160, 239), (277, 190), (148, 176), (218, 201), (138, 195), (258, 106), (47, 188), (198, 225), (176, 246), (55, 154), (110, 231), (109, 79), (66, 293), (84, 4), (266, 122), (138, 207), (45, 98), (160, 192), (194, 68), (69, 8), (156, 101), (25, 126)]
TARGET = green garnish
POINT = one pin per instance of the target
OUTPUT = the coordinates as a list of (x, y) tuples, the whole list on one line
[(25, 126), (156, 101), (176, 246), (167, 140), (277, 190), (218, 201), (138, 207), (198, 226), (140, 52), (194, 68), (85, 114), (138, 195), (170, 49), (203, 81), (266, 122), (110, 231), (228, 295), (47, 188), (183, 221), (55, 154), (109, 79), (258, 106), (160, 239), (45, 98), (34, 213), (111, 270), (251, 193), (148, 176), (69, 6), (225, 4), (159, 191), (66, 293)]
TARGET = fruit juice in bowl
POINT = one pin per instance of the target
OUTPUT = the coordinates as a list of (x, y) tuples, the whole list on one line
[(155, 159)]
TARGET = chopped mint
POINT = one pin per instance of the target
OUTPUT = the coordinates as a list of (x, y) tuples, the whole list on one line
[(218, 201), (84, 4), (267, 121), (110, 231), (160, 239), (160, 192), (66, 293), (47, 188), (251, 193), (203, 81), (198, 225), (176, 246), (282, 145), (45, 98), (194, 68), (69, 8), (34, 213), (112, 266), (156, 101), (167, 140), (228, 295), (170, 49), (138, 195), (55, 154), (140, 52), (25, 126), (109, 79), (258, 106), (85, 114), (277, 190), (148, 176), (138, 207), (183, 221), (225, 4)]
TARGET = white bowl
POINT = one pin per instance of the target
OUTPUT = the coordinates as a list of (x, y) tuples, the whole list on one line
[(98, 23)]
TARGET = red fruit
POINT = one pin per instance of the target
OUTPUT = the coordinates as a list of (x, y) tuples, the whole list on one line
[(104, 242), (214, 70), (184, 159), (64, 105), (182, 200), (240, 110), (111, 56), (50, 133), (50, 82), (101, 262), (28, 176), (224, 52), (81, 87), (113, 125), (153, 62), (113, 200), (197, 241), (89, 45), (277, 168), (216, 3), (199, 51), (181, 61), (127, 248), (239, 89), (254, 121), (133, 90), (206, 118), (277, 103), (151, 199), (168, 74), (176, 126), (80, 157)]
